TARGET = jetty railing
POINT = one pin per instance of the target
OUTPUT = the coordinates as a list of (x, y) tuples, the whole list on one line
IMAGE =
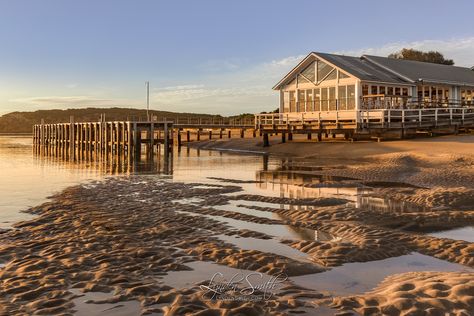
[(387, 118)]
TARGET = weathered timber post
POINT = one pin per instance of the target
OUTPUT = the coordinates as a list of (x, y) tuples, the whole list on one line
[(210, 134), (309, 136), (283, 137), (137, 142), (152, 140), (166, 142), (220, 133), (229, 133), (198, 134), (72, 141), (129, 141), (178, 135), (254, 133), (290, 136), (188, 136), (266, 142), (242, 132)]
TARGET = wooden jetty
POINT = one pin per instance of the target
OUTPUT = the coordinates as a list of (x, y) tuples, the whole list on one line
[(129, 141), (368, 123)]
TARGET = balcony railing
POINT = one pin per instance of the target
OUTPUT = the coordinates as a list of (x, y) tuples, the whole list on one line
[(385, 118)]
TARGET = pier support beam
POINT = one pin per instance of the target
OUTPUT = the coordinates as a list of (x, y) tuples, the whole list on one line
[(179, 138), (266, 142), (290, 136), (283, 137), (309, 136)]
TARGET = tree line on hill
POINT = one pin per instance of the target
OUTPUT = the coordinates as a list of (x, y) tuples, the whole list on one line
[(22, 122)]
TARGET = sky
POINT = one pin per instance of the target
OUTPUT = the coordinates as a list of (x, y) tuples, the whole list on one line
[(207, 56)]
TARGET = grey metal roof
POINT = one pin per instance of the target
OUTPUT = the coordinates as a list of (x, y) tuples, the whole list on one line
[(390, 70), (362, 69), (428, 72)]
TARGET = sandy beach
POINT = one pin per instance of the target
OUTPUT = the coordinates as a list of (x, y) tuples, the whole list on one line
[(140, 244)]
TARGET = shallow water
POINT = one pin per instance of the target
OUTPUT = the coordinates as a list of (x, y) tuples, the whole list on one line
[(27, 180), (463, 233), (360, 277), (85, 307)]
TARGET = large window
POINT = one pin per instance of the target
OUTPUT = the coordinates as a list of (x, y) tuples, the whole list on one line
[(342, 97), (332, 99), (309, 100), (301, 101), (351, 97), (309, 72), (286, 101), (323, 70), (324, 99), (317, 99), (292, 101)]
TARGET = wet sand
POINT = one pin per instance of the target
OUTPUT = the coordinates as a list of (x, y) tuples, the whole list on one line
[(143, 244)]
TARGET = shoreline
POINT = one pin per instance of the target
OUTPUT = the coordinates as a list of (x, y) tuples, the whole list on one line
[(119, 240)]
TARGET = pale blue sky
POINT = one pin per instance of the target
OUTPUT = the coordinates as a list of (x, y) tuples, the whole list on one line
[(200, 56)]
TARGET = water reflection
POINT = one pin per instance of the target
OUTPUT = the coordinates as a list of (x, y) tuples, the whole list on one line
[(303, 184)]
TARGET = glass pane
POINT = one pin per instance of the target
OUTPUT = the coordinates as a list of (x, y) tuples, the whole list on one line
[(341, 96), (332, 76), (317, 99), (332, 99), (373, 90), (397, 91), (405, 91), (342, 75), (292, 82), (381, 89), (390, 90), (323, 70), (301, 101), (308, 72), (351, 97), (365, 89), (324, 99), (309, 100), (302, 79), (286, 101), (292, 101)]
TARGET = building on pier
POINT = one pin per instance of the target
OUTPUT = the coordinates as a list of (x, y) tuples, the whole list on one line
[(345, 92)]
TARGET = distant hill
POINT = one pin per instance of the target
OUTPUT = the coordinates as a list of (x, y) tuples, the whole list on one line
[(22, 122)]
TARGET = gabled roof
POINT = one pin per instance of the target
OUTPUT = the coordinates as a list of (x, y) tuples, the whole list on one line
[(428, 72), (388, 70), (361, 68)]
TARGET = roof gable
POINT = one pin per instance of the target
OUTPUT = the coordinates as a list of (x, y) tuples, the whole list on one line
[(354, 66)]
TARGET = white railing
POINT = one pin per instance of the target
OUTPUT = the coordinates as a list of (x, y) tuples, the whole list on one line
[(385, 117)]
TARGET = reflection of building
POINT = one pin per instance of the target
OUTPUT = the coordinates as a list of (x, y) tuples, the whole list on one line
[(300, 185)]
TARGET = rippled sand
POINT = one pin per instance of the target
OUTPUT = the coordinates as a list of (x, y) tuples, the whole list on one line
[(124, 235)]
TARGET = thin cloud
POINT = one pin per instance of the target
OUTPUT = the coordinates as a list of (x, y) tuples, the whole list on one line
[(73, 101)]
